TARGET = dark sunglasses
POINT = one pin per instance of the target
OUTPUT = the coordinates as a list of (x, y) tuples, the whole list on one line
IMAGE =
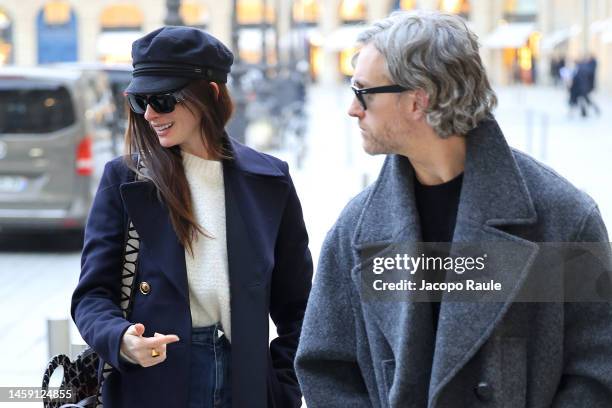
[(379, 89), (161, 103)]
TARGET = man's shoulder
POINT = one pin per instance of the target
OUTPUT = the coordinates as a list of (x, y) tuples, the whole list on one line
[(350, 215), (549, 190)]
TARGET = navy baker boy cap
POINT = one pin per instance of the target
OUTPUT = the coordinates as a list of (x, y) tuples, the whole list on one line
[(168, 58)]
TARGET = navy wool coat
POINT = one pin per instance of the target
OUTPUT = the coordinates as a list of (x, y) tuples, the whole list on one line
[(270, 273)]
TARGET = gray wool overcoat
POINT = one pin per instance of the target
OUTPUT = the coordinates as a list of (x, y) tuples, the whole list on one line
[(356, 353)]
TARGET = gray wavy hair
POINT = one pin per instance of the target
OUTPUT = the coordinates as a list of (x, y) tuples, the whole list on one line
[(436, 52)]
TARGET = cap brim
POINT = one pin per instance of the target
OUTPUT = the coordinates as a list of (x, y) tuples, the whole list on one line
[(156, 84)]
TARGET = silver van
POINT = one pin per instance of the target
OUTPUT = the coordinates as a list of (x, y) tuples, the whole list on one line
[(48, 171)]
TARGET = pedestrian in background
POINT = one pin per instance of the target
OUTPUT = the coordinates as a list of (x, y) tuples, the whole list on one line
[(582, 84), (223, 245), (557, 63), (422, 98)]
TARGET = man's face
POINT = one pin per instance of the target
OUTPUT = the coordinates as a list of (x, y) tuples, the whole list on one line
[(384, 125)]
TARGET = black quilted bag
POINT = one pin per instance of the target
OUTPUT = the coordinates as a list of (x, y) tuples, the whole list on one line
[(81, 375)]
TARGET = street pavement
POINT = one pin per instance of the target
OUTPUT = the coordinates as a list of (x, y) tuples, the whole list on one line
[(37, 284)]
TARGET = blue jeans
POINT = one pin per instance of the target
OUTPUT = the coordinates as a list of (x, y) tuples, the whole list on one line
[(209, 384)]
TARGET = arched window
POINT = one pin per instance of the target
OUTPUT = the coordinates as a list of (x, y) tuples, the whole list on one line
[(251, 12), (520, 10), (405, 5), (306, 12), (194, 14), (56, 13), (121, 25), (121, 17), (353, 11), (6, 38), (57, 33), (461, 7)]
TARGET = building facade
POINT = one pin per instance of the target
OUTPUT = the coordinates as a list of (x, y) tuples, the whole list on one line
[(520, 38)]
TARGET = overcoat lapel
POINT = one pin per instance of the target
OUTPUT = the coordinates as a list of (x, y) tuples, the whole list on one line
[(493, 195)]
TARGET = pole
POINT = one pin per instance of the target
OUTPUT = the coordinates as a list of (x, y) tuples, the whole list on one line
[(278, 10), (585, 28), (58, 337), (264, 48), (172, 13), (238, 123)]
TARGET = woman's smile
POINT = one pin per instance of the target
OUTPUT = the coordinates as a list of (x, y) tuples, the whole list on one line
[(162, 129)]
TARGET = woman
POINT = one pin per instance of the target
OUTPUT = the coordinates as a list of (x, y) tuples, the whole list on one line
[(222, 245)]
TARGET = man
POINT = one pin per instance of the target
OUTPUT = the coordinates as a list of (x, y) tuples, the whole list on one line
[(423, 99)]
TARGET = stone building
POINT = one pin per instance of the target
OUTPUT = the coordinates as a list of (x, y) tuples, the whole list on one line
[(519, 37)]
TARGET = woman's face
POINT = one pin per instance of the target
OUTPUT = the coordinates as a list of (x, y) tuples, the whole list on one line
[(179, 127)]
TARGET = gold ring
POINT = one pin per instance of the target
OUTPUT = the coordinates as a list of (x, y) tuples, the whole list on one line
[(154, 353)]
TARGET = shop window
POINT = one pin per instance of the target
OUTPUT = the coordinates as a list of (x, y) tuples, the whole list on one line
[(520, 10), (405, 5), (251, 12), (194, 14), (346, 61), (6, 45), (461, 7), (121, 17), (306, 12), (56, 13), (56, 33), (353, 11)]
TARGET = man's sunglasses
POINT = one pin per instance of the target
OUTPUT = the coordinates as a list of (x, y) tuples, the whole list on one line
[(379, 89), (161, 103)]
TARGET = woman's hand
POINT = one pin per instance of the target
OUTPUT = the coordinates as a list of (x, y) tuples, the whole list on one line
[(146, 351)]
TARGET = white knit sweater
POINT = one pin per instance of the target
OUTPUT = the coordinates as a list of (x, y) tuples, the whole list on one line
[(207, 270)]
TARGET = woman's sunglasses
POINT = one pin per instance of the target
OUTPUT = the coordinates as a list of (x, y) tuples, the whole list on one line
[(161, 103)]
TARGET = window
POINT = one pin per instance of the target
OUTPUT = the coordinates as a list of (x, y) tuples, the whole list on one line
[(251, 12), (406, 5), (353, 11), (28, 110), (306, 11), (461, 7), (520, 10), (194, 14), (57, 12), (6, 46), (121, 17)]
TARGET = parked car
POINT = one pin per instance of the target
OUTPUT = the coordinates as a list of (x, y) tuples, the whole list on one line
[(109, 109), (48, 171)]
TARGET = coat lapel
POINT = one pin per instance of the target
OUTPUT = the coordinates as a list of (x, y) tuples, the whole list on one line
[(389, 217), (494, 195), (254, 191), (251, 212), (151, 220)]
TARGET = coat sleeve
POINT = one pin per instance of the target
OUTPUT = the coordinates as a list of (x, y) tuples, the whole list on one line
[(326, 363), (587, 371), (95, 301), (290, 287)]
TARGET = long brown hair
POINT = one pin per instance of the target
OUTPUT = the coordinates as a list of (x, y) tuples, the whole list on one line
[(164, 166)]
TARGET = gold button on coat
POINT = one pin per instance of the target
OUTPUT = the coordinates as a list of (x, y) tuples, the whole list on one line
[(145, 288)]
